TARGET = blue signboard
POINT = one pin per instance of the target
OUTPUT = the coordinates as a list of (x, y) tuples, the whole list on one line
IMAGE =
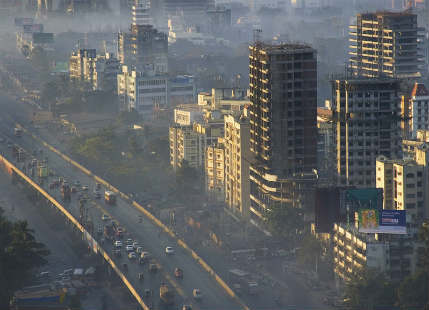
[(382, 221)]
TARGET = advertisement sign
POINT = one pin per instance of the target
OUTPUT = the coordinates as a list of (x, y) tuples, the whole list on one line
[(382, 221), (21, 21)]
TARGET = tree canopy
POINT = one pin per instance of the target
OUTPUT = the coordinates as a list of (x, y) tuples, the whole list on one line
[(370, 290), (285, 222), (20, 254)]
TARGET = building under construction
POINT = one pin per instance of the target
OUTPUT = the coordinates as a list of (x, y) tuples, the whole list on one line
[(283, 124), (385, 44)]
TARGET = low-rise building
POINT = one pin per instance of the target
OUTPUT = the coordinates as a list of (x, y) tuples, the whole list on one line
[(187, 114), (140, 92), (145, 92), (353, 251)]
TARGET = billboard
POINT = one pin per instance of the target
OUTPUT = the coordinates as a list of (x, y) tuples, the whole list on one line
[(33, 28), (44, 37), (21, 21), (382, 221)]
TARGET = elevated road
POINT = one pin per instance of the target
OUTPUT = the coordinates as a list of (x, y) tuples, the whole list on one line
[(149, 235)]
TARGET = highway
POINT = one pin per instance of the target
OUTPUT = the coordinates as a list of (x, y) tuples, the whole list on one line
[(147, 233)]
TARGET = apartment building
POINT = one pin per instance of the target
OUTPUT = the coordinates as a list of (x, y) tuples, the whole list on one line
[(81, 66), (367, 124), (140, 92), (237, 160), (419, 109), (353, 251), (283, 122), (100, 71), (215, 171), (385, 44), (190, 142)]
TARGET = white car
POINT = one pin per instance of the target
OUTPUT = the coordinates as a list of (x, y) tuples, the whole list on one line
[(169, 250), (105, 217), (85, 187), (129, 241), (139, 249), (132, 255), (135, 244), (118, 244), (129, 248)]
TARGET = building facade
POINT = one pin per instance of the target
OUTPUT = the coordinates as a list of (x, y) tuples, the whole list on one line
[(385, 44), (419, 109), (215, 171), (237, 160), (140, 92), (100, 71), (353, 251), (367, 124), (283, 122)]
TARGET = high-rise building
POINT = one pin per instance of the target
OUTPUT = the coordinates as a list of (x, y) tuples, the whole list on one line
[(366, 116), (418, 109), (237, 159), (283, 122), (143, 47), (81, 65), (385, 44)]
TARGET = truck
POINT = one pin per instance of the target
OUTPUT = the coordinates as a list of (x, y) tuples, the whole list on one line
[(242, 281), (166, 294), (109, 197), (65, 192), (18, 132)]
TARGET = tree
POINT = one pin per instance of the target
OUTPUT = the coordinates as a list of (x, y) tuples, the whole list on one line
[(285, 222), (369, 290), (187, 178), (310, 251), (20, 254), (413, 291), (39, 59), (424, 236)]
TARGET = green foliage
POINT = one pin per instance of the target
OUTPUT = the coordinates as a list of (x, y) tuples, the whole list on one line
[(20, 254), (285, 221), (187, 179), (310, 251), (129, 117), (413, 291), (99, 147), (370, 290), (424, 236)]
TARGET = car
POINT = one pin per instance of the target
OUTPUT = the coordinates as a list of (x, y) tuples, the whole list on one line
[(145, 255), (178, 273), (85, 187), (129, 241), (153, 267), (73, 189), (132, 255), (77, 183), (169, 250), (139, 250), (105, 217), (187, 307), (135, 244), (197, 293), (129, 248), (118, 244)]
